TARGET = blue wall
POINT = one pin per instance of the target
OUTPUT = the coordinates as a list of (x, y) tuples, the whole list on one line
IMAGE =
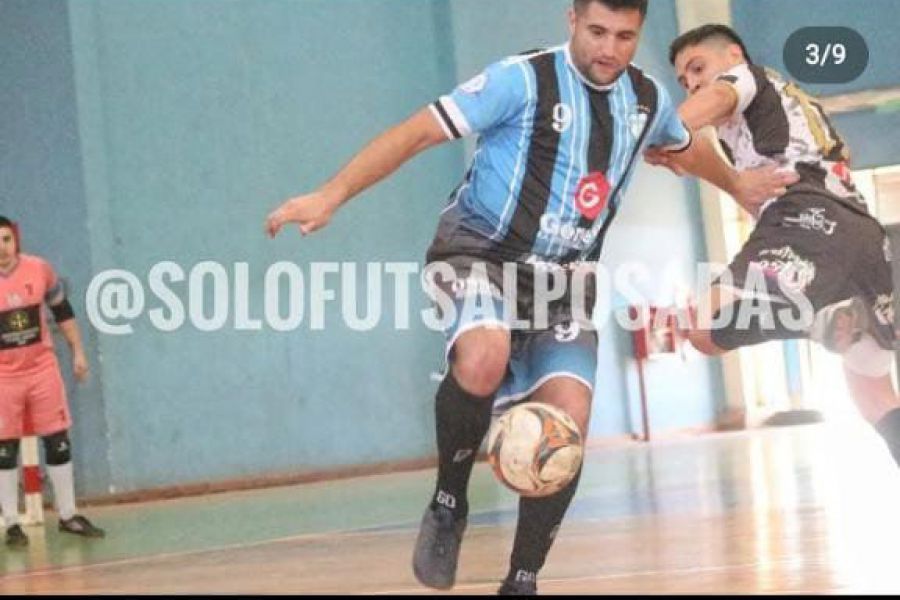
[(207, 115), (171, 128), (41, 186)]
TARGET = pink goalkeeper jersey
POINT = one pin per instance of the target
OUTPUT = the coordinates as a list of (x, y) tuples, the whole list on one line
[(25, 341)]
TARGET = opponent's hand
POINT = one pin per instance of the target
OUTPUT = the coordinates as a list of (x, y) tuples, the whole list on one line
[(309, 212), (660, 158), (80, 367), (756, 186)]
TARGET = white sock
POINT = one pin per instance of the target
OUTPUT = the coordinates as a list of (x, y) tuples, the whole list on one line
[(9, 495), (63, 489)]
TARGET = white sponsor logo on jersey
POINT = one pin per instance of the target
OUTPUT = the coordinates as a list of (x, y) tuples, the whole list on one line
[(567, 234)]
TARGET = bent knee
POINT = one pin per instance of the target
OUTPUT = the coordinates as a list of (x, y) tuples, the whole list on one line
[(480, 367), (701, 340)]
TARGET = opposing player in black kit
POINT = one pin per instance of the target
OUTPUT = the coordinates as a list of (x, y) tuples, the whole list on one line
[(816, 243)]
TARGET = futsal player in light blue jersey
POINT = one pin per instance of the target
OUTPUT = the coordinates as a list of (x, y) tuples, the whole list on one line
[(559, 132)]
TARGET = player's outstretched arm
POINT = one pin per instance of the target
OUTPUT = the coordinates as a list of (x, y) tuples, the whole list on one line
[(381, 157), (711, 105), (749, 188)]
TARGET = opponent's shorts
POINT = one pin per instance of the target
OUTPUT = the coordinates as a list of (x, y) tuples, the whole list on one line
[(40, 397), (548, 339), (808, 251)]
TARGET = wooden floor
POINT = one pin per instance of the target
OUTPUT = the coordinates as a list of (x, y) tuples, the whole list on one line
[(807, 509)]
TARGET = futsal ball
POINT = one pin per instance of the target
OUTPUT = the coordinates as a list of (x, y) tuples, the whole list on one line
[(535, 449)]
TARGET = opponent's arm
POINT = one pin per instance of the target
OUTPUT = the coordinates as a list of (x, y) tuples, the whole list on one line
[(381, 157), (711, 105)]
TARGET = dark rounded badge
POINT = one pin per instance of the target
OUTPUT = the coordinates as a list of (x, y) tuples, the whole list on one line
[(826, 54)]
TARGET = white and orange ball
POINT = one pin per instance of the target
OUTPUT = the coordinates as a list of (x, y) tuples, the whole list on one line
[(535, 449)]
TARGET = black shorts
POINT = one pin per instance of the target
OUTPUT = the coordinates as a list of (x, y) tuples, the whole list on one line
[(811, 244)]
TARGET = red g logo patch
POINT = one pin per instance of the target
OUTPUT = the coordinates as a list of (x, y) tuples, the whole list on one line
[(592, 195)]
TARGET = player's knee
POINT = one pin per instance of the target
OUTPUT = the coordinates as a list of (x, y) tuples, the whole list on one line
[(701, 339), (572, 396), (9, 454), (480, 370), (57, 448)]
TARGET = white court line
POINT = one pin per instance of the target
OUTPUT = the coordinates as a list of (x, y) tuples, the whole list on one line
[(630, 574), (397, 527), (413, 589), (167, 555)]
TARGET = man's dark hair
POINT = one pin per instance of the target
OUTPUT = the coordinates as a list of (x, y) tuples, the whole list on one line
[(4, 222), (703, 33), (639, 5)]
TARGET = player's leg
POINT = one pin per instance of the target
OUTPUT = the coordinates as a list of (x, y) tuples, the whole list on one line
[(463, 410), (878, 403), (478, 351), (58, 453), (9, 492), (862, 330), (13, 396), (52, 420), (709, 306), (462, 418), (791, 267), (539, 519), (563, 363)]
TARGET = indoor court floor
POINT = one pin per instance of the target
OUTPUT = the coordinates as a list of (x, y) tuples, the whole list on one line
[(804, 509)]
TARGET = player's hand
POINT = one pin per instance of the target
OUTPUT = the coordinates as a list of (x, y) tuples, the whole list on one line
[(756, 186), (309, 212), (660, 158), (80, 367)]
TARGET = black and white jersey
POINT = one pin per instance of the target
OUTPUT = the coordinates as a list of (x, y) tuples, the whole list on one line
[(775, 122)]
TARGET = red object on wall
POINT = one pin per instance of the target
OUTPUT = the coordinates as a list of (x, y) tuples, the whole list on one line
[(657, 333)]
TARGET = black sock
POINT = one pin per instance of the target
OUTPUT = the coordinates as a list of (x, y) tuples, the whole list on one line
[(539, 521), (462, 420), (889, 428)]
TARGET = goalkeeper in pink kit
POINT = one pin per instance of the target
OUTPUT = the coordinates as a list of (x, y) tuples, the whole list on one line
[(31, 384)]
